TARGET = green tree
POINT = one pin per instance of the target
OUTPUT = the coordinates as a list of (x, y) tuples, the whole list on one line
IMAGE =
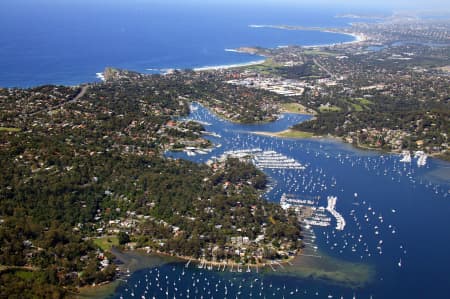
[(123, 238)]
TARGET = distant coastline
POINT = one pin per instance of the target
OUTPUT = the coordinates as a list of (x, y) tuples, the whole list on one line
[(357, 37)]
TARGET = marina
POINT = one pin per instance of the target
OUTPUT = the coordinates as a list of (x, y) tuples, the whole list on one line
[(317, 213), (264, 159)]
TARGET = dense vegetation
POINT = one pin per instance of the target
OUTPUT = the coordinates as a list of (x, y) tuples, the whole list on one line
[(94, 167)]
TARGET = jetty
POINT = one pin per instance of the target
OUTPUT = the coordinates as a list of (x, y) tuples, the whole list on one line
[(340, 221)]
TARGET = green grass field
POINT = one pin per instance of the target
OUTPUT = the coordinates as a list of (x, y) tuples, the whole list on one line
[(294, 134), (359, 104), (266, 68), (318, 52), (331, 108), (294, 108), (14, 130), (357, 107), (105, 243), (24, 274), (363, 101)]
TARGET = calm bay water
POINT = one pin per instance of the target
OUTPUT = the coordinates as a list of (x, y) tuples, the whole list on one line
[(394, 212)]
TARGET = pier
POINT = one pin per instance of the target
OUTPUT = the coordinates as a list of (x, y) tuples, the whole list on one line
[(340, 225)]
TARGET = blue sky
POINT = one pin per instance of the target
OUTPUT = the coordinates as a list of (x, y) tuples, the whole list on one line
[(435, 5), (393, 4)]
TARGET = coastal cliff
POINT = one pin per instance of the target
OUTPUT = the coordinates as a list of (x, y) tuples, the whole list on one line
[(114, 74)]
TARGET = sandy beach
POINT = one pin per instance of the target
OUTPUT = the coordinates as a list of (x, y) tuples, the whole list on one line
[(358, 38), (228, 66)]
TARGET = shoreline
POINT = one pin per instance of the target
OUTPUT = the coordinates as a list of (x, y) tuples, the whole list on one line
[(167, 71), (131, 258), (227, 263), (211, 109), (229, 66), (358, 37), (298, 265)]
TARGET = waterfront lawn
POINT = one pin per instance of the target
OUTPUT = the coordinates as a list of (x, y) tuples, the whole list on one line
[(294, 108), (106, 242)]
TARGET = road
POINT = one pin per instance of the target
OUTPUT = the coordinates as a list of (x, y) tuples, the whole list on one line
[(76, 98), (324, 68)]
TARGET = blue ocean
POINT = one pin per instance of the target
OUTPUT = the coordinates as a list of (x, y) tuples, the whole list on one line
[(396, 213), (68, 42)]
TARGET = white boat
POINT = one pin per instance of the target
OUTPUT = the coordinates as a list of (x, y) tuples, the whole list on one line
[(406, 157), (422, 159)]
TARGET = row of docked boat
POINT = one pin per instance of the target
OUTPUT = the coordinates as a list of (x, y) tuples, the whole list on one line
[(265, 159), (419, 155), (274, 160), (193, 151)]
